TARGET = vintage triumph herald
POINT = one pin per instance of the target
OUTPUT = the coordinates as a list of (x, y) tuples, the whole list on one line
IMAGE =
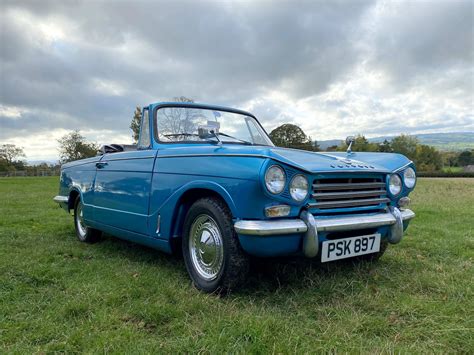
[(208, 180)]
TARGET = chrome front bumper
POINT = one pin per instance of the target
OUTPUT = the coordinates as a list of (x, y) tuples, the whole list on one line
[(61, 199), (310, 226)]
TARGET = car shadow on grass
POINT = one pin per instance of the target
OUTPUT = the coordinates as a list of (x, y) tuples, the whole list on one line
[(267, 275)]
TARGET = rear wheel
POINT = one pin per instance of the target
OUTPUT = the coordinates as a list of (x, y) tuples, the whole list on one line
[(84, 234), (213, 256)]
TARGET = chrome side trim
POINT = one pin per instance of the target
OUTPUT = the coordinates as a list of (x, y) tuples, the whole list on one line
[(158, 224), (61, 199), (402, 167), (283, 226), (289, 226)]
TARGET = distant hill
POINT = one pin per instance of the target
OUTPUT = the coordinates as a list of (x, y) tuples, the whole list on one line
[(442, 141), (329, 143)]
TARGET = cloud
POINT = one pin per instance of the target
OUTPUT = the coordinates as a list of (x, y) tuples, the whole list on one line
[(335, 68)]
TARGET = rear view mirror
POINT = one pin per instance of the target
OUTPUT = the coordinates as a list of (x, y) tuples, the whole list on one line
[(209, 130), (203, 132)]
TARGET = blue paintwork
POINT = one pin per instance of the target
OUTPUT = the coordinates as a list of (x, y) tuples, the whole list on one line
[(122, 190), (127, 193)]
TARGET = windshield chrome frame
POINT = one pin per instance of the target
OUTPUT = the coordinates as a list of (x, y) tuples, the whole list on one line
[(203, 107)]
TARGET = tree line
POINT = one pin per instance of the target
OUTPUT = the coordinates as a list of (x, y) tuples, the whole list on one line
[(426, 158), (74, 146)]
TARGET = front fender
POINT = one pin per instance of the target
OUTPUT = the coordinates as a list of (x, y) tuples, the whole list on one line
[(199, 184), (169, 213)]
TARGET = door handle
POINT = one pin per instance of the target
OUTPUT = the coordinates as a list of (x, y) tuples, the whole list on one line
[(101, 164)]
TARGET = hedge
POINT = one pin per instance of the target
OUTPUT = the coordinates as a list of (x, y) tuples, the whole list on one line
[(442, 174)]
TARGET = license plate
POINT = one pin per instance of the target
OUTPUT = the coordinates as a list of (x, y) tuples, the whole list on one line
[(349, 247)]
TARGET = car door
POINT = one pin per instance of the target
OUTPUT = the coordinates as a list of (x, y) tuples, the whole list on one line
[(122, 186)]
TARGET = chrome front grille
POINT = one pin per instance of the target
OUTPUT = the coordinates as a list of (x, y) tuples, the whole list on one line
[(334, 194)]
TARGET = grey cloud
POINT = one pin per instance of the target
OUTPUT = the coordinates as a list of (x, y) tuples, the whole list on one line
[(420, 40), (220, 52), (225, 54)]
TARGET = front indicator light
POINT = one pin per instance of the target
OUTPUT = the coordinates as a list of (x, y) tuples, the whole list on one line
[(277, 211), (404, 202)]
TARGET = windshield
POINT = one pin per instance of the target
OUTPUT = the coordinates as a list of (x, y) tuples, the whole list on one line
[(190, 124)]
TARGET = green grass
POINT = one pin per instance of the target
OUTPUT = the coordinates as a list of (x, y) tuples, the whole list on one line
[(57, 294)]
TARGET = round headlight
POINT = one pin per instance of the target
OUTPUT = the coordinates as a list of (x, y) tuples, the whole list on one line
[(395, 184), (299, 188), (275, 179), (409, 177)]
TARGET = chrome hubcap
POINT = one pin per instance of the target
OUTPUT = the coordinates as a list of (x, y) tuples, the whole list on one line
[(81, 227), (205, 247)]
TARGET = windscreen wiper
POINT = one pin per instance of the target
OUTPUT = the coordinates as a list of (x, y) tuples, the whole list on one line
[(185, 134), (180, 134), (238, 139)]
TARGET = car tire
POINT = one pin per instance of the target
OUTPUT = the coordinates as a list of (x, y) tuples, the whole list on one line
[(212, 253), (83, 233)]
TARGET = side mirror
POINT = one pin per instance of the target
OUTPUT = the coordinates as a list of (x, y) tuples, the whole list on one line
[(350, 140)]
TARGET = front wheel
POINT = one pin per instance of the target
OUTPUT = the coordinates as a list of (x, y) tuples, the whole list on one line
[(213, 256), (84, 234)]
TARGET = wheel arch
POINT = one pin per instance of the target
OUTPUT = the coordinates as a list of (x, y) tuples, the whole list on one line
[(72, 198), (193, 193)]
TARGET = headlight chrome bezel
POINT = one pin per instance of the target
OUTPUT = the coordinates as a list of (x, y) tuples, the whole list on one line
[(271, 189), (397, 178), (409, 181), (301, 197)]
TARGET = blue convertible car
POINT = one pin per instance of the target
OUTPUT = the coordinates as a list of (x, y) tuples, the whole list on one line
[(210, 180)]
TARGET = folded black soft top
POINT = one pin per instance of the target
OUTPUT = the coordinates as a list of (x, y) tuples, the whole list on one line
[(115, 148)]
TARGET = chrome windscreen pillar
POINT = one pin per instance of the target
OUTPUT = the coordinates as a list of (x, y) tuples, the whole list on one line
[(396, 230), (310, 239)]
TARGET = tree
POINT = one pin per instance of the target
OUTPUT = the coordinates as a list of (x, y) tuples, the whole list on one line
[(291, 136), (11, 153), (315, 144), (176, 120), (361, 144), (73, 146), (406, 145), (466, 158), (175, 115), (385, 147), (135, 124), (428, 158), (10, 158), (332, 148), (182, 99)]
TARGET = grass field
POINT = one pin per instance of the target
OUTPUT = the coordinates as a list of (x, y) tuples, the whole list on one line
[(57, 294)]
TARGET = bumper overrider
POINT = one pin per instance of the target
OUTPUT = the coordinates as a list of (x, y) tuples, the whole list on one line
[(310, 226)]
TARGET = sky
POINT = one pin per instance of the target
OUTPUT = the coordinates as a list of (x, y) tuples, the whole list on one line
[(335, 68)]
